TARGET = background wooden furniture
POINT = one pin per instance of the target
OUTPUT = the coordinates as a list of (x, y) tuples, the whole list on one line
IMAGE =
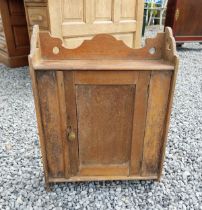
[(14, 40), (103, 109), (73, 21), (37, 14), (185, 17), (76, 20)]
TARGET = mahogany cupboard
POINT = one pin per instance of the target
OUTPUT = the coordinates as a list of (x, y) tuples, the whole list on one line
[(102, 109), (185, 17), (14, 39), (16, 21)]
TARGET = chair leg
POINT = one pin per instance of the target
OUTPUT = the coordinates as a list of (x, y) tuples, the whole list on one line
[(150, 18), (161, 17), (147, 14)]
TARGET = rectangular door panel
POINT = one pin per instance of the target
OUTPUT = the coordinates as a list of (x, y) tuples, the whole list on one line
[(103, 10), (73, 11), (128, 10), (105, 115)]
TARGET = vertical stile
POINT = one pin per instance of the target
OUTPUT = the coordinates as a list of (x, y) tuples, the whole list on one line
[(63, 120)]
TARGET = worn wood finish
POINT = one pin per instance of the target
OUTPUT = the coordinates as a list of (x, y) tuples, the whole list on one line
[(63, 120), (40, 125), (99, 123), (99, 178), (158, 97), (111, 145), (70, 97), (50, 113), (103, 46), (140, 113), (77, 20)]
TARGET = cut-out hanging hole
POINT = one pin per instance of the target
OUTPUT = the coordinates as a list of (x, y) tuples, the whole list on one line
[(169, 47), (152, 50), (56, 50)]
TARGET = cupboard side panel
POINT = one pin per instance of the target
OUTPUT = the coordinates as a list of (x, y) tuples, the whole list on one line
[(39, 123), (50, 114), (155, 123)]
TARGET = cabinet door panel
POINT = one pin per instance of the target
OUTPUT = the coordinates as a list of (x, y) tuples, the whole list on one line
[(109, 110), (104, 115)]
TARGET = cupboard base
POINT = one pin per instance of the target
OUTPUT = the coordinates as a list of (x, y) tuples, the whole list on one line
[(101, 178)]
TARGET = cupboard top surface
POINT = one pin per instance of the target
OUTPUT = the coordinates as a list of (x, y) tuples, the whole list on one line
[(103, 52), (104, 65)]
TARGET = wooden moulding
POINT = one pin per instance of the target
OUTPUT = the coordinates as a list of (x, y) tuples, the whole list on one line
[(158, 54), (141, 80)]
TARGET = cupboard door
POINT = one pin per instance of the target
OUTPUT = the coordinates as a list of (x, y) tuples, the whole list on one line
[(106, 111), (104, 114), (103, 123), (77, 20)]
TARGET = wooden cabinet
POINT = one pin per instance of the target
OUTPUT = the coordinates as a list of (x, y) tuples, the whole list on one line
[(14, 40), (103, 109), (77, 20), (3, 46), (185, 17), (37, 14)]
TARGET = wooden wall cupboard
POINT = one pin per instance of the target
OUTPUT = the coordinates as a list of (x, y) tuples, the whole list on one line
[(102, 109), (185, 17), (14, 40), (77, 20)]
